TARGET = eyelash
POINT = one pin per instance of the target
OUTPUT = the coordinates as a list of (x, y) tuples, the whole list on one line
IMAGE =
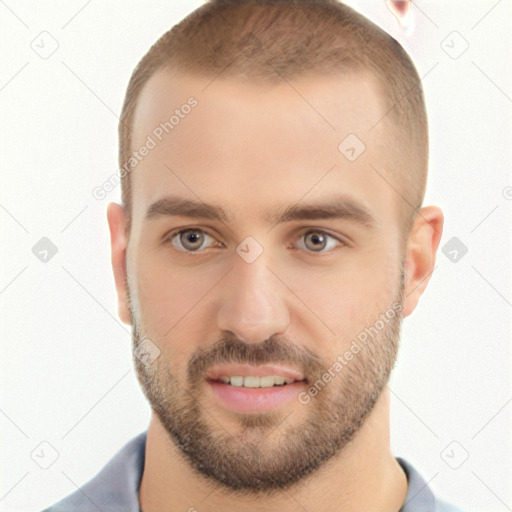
[(176, 234)]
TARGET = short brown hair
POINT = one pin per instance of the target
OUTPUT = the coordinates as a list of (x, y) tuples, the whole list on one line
[(267, 40)]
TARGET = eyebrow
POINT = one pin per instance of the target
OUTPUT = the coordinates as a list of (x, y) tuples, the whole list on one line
[(337, 207)]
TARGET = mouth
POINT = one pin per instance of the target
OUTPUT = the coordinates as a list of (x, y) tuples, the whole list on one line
[(250, 389), (251, 376), (254, 382)]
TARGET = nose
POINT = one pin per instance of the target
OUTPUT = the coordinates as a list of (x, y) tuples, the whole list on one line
[(253, 303)]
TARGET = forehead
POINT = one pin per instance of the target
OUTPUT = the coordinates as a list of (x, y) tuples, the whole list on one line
[(251, 146)]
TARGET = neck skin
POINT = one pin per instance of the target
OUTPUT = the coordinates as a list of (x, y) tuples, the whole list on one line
[(365, 476)]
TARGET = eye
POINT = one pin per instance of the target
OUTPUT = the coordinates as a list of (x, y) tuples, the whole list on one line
[(190, 240), (319, 241), (194, 239)]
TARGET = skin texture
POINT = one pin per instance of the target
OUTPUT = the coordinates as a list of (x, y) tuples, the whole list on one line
[(252, 149)]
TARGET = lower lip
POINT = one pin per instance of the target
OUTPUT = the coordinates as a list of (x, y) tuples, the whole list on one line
[(241, 399)]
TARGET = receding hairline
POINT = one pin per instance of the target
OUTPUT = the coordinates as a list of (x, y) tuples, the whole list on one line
[(197, 81)]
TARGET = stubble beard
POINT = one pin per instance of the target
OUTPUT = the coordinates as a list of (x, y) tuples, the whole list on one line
[(270, 452)]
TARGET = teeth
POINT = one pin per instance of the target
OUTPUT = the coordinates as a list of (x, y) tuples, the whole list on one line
[(256, 382), (237, 381)]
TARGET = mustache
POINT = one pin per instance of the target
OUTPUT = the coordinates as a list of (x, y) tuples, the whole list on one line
[(275, 349)]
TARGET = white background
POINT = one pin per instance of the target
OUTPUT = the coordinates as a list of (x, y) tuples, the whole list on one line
[(66, 367)]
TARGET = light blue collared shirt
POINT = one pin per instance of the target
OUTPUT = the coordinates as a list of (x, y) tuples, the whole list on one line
[(115, 488)]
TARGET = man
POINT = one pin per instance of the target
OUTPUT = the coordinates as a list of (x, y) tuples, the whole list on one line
[(271, 239)]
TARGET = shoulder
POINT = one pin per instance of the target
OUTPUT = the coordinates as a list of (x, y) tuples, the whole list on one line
[(114, 488), (420, 497)]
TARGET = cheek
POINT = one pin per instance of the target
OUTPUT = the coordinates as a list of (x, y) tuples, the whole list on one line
[(170, 296), (349, 295)]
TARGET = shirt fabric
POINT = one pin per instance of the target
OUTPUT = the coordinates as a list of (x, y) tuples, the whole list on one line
[(115, 488)]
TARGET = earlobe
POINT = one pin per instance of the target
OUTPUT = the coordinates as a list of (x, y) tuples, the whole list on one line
[(422, 246), (116, 218)]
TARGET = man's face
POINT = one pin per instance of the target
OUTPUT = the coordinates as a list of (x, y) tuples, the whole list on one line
[(295, 292)]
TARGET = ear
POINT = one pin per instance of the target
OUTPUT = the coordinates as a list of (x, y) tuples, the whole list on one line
[(422, 245), (117, 222)]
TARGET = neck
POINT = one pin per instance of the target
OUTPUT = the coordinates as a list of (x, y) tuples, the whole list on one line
[(365, 476)]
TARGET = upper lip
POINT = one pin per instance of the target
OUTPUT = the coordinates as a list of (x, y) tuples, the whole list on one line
[(244, 370)]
